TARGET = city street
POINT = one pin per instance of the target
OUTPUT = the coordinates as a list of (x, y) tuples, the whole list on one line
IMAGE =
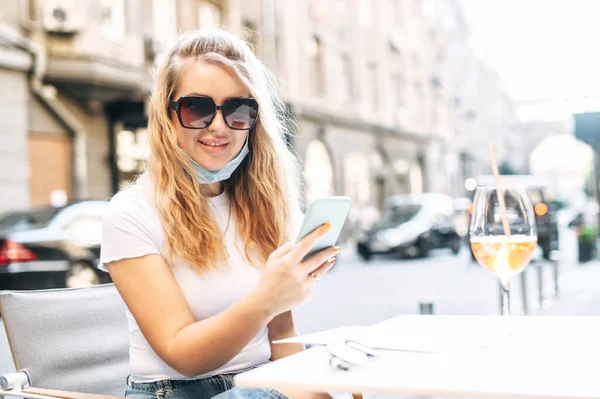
[(358, 293), (366, 293), (422, 113)]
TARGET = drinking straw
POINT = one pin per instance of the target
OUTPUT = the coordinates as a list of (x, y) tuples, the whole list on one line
[(500, 190)]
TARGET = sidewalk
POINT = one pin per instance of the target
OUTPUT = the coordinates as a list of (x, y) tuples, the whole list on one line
[(579, 292)]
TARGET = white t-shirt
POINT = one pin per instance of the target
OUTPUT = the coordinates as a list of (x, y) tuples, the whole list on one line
[(131, 229)]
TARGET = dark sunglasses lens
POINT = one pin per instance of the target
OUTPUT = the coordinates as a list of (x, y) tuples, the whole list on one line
[(240, 114), (196, 112)]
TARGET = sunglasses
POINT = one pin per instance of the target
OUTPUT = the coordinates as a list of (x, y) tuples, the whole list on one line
[(197, 112)]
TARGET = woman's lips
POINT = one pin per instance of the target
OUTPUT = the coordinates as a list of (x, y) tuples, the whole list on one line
[(213, 146)]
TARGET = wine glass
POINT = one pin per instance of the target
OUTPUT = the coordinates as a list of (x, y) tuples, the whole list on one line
[(503, 233)]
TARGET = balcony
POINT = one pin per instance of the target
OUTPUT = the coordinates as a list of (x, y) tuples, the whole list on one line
[(95, 57)]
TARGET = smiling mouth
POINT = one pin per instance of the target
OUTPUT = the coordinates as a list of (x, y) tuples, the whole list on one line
[(223, 144)]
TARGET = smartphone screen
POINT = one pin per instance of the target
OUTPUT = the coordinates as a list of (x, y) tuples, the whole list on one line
[(332, 210)]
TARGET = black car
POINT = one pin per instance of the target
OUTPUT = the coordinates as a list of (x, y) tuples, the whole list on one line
[(545, 207), (52, 247), (412, 225)]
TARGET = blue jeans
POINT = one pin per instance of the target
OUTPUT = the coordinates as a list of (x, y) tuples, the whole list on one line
[(221, 386)]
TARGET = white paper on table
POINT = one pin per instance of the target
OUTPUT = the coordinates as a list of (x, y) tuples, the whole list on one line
[(326, 337), (440, 341), (379, 339)]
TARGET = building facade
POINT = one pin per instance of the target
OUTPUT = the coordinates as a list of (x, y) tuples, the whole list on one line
[(377, 89), (14, 100), (472, 103), (356, 76), (83, 72)]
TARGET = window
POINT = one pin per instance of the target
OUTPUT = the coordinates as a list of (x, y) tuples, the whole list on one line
[(373, 82), (209, 15), (113, 20), (399, 214), (315, 51), (535, 195), (346, 85), (402, 91), (398, 87), (419, 112), (395, 88), (26, 220)]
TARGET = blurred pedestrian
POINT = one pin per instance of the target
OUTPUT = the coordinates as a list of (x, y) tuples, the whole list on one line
[(198, 246)]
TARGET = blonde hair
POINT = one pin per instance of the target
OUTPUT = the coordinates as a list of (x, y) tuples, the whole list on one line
[(263, 191)]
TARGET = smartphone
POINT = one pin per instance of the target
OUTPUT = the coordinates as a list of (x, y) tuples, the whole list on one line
[(332, 210)]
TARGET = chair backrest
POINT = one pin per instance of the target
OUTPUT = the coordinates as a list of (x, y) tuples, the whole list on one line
[(69, 339)]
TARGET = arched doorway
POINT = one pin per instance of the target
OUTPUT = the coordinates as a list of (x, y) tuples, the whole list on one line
[(318, 171), (565, 161), (569, 165), (357, 177)]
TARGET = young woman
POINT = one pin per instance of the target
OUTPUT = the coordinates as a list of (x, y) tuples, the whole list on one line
[(198, 246)]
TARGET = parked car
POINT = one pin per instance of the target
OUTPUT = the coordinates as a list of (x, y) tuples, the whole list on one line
[(544, 205), (412, 225), (52, 247)]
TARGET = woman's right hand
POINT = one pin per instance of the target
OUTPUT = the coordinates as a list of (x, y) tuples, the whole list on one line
[(287, 280)]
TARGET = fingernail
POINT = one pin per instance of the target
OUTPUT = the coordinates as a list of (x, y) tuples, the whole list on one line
[(332, 261), (326, 227), (337, 249)]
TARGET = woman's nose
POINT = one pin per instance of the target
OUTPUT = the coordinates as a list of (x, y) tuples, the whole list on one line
[(218, 122)]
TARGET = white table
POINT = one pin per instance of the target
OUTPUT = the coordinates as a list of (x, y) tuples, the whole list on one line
[(552, 357)]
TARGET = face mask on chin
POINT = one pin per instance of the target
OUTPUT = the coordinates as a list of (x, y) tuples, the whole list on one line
[(206, 176)]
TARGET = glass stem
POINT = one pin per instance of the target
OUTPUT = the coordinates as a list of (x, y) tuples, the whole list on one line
[(505, 299)]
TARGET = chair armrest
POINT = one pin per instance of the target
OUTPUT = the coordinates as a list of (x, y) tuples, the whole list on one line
[(42, 393), (19, 385), (52, 393)]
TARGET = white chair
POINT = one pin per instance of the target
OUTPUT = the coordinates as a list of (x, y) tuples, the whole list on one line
[(66, 341)]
